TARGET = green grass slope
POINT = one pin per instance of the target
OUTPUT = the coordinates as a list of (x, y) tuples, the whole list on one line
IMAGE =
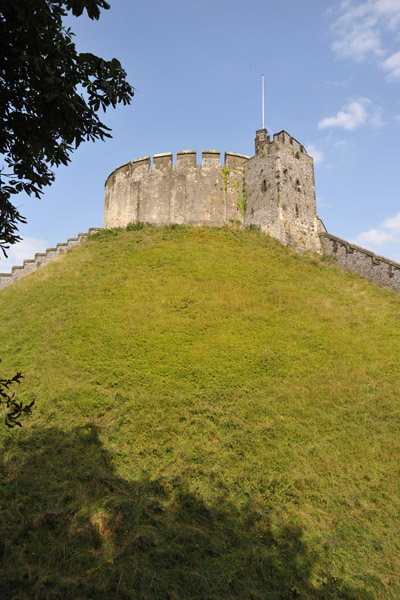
[(217, 418)]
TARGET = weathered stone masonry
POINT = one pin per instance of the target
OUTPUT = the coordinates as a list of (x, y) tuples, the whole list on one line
[(43, 258), (279, 182), (205, 194), (362, 262), (273, 190)]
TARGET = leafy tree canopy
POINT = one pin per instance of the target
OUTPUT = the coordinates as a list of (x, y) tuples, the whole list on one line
[(49, 97)]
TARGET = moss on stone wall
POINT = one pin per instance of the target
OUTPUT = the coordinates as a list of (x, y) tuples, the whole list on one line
[(241, 202)]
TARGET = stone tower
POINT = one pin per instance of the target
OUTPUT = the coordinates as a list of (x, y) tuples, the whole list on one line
[(273, 190), (281, 191)]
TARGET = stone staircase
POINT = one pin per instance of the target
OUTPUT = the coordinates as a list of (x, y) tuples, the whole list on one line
[(43, 258)]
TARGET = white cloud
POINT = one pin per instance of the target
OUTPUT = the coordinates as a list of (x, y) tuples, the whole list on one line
[(363, 29), (352, 116), (356, 31), (388, 10), (387, 232), (317, 155), (25, 249), (355, 114), (392, 65)]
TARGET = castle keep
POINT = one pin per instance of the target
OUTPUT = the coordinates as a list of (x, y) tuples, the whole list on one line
[(273, 190)]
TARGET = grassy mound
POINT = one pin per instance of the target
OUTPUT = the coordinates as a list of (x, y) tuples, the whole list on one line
[(216, 418)]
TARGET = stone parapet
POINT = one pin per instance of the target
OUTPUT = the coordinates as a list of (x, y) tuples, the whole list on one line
[(43, 258), (285, 138), (235, 160), (360, 261), (189, 193), (186, 158)]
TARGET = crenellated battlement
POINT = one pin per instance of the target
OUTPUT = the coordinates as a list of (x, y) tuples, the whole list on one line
[(280, 141), (274, 190), (43, 258), (162, 161), (157, 191), (362, 262), (286, 139), (184, 159)]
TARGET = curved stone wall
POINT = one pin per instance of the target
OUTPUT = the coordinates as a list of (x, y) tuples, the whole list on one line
[(188, 193)]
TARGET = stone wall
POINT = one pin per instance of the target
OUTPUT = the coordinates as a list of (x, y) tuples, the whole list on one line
[(350, 257), (360, 261), (188, 193), (43, 258), (281, 191), (274, 190)]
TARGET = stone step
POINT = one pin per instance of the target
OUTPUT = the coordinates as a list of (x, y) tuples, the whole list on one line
[(43, 258)]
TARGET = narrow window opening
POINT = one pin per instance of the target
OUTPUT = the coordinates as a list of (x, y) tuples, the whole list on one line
[(297, 211), (264, 185)]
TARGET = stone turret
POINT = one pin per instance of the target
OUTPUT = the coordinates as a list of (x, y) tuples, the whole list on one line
[(262, 141), (281, 191)]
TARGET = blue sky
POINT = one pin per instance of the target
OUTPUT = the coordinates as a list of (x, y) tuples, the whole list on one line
[(332, 77)]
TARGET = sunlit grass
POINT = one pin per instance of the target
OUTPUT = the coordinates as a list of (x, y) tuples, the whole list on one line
[(217, 417)]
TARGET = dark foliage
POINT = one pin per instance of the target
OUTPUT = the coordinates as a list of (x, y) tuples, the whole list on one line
[(49, 97), (7, 400)]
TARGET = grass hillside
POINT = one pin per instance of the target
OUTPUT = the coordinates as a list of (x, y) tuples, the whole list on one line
[(216, 418)]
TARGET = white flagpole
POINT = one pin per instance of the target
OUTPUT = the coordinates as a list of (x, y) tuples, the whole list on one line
[(262, 99)]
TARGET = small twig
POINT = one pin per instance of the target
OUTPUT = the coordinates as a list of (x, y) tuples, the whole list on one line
[(9, 403), (120, 577)]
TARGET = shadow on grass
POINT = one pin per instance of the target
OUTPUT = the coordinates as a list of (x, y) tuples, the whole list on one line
[(72, 529)]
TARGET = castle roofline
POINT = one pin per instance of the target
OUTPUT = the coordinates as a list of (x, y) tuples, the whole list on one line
[(184, 159), (290, 136)]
